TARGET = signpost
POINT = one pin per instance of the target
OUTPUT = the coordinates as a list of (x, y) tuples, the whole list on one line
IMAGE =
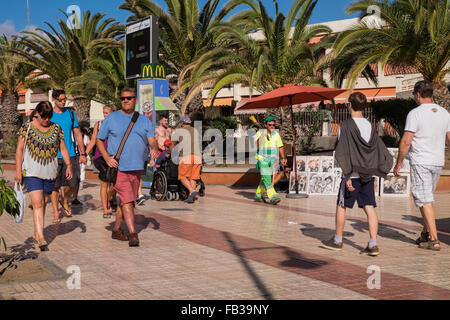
[(141, 46)]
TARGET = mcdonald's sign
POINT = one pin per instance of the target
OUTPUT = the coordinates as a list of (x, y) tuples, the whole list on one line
[(153, 71)]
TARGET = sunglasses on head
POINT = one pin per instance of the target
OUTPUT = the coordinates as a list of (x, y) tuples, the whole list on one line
[(127, 98)]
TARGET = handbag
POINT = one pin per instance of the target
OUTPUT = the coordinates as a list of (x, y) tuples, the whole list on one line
[(20, 197), (111, 173)]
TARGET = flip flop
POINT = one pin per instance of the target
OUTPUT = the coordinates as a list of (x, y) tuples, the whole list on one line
[(56, 221), (107, 215)]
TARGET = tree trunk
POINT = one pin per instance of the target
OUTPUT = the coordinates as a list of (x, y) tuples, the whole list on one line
[(196, 105), (10, 115), (441, 95), (82, 109), (286, 125)]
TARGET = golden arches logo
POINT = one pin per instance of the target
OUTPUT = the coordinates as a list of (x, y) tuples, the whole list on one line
[(153, 71), (160, 72)]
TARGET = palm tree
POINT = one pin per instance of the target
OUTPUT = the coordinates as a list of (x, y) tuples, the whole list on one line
[(67, 53), (283, 56), (413, 33), (13, 75), (185, 33), (103, 80)]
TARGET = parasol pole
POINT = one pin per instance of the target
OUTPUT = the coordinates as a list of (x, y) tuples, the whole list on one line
[(295, 195)]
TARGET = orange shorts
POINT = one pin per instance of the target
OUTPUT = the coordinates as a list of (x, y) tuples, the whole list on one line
[(190, 167)]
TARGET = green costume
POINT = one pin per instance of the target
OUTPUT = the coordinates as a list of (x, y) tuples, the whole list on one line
[(266, 158)]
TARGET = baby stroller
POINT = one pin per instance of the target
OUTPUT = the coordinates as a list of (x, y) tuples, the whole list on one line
[(167, 186)]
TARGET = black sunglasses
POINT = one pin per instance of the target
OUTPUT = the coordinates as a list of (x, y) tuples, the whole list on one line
[(270, 125), (127, 98)]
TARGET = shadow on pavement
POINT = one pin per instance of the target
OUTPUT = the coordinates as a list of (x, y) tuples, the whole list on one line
[(265, 293), (141, 222), (19, 253), (323, 234), (296, 260), (384, 230), (54, 230)]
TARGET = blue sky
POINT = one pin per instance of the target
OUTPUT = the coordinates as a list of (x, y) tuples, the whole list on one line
[(14, 18)]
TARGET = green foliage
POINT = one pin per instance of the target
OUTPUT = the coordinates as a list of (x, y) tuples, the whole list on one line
[(8, 202), (282, 57), (222, 123), (394, 111), (9, 148), (411, 33), (310, 129)]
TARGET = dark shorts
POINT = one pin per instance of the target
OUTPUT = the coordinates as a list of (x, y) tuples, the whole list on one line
[(61, 180), (364, 193), (101, 166), (35, 184)]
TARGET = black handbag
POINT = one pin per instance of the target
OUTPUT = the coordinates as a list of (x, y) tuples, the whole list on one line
[(111, 173)]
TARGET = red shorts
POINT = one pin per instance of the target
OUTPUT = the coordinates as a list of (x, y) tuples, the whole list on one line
[(127, 186)]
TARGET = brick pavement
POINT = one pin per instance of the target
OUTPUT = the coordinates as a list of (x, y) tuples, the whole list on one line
[(227, 247)]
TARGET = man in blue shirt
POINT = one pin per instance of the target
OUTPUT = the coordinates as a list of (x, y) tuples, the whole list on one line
[(134, 154), (67, 120)]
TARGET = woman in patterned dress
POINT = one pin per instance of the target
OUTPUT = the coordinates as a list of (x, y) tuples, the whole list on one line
[(37, 163)]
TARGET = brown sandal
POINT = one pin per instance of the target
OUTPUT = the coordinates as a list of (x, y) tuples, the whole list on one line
[(430, 245), (424, 237)]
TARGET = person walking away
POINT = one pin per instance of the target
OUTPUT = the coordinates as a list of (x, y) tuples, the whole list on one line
[(107, 192), (188, 154), (269, 143), (67, 120), (426, 128), (134, 153), (84, 128), (361, 154), (37, 148)]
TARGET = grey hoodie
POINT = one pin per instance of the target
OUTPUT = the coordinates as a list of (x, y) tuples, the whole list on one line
[(354, 154)]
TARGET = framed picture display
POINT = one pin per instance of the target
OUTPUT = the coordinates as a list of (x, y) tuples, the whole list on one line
[(301, 163), (337, 172), (302, 178), (326, 164), (396, 186), (313, 164), (405, 166), (376, 186), (321, 183)]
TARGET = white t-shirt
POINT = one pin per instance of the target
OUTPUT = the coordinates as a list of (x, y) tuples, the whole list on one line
[(365, 129), (430, 124)]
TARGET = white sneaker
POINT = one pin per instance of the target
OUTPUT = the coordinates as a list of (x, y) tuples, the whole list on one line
[(140, 200)]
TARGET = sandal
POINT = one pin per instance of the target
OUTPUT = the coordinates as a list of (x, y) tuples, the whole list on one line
[(430, 245), (42, 245), (424, 237), (56, 221), (107, 215)]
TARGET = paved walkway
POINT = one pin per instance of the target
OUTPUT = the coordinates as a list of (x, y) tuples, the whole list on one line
[(225, 246)]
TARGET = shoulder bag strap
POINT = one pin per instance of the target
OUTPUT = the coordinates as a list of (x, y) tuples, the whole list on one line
[(125, 137)]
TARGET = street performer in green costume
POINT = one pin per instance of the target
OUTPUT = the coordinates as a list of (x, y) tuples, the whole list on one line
[(269, 143)]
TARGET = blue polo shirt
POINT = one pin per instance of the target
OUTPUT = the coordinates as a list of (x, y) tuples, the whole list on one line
[(136, 149)]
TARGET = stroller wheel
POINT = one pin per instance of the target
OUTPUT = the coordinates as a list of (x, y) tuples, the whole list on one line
[(169, 196), (177, 196)]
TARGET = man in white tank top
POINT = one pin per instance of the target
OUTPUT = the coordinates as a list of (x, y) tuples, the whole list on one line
[(426, 129)]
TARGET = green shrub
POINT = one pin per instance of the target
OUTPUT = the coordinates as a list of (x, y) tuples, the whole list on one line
[(8, 202), (394, 111), (222, 123)]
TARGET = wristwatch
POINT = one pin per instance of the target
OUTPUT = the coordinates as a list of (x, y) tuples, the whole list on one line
[(84, 154)]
